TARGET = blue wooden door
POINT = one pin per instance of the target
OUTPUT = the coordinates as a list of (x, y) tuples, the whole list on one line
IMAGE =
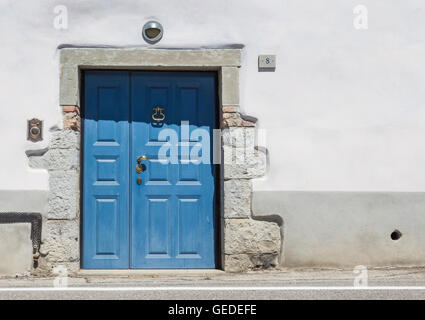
[(162, 217)]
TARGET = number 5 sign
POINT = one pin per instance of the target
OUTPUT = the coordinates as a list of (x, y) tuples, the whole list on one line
[(266, 62)]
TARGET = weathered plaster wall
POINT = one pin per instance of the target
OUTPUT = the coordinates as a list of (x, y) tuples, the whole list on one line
[(16, 249), (349, 99), (15, 239), (342, 112), (346, 229)]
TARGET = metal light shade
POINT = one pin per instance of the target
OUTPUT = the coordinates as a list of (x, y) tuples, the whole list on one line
[(152, 32)]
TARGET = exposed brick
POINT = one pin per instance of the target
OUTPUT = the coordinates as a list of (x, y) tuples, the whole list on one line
[(71, 125), (230, 109), (232, 122), (71, 118), (246, 123), (70, 115), (71, 109), (230, 115), (234, 119)]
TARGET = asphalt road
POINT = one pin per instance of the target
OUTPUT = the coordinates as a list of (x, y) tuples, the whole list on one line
[(218, 295), (407, 283)]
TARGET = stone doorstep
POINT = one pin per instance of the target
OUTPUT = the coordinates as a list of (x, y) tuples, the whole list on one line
[(149, 272)]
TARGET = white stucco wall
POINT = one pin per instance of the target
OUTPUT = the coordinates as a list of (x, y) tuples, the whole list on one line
[(344, 109)]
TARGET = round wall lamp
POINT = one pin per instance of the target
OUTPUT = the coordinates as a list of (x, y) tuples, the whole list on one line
[(152, 32)]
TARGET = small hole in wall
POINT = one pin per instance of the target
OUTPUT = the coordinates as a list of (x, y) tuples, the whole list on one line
[(395, 235)]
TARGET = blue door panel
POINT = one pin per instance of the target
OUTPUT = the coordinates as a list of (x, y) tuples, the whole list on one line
[(168, 220), (186, 188), (106, 170)]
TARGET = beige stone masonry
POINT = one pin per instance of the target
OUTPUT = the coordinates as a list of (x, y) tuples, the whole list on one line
[(73, 60), (251, 244), (61, 232), (248, 244)]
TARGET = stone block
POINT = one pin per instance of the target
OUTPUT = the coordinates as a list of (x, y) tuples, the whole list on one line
[(62, 159), (61, 243), (229, 86), (65, 139), (237, 263), (246, 262), (56, 159), (264, 260), (63, 195), (250, 135), (237, 198), (72, 58), (249, 236), (239, 137), (234, 136), (240, 163), (142, 57)]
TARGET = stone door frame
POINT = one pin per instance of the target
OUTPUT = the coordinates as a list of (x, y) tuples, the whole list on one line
[(245, 243)]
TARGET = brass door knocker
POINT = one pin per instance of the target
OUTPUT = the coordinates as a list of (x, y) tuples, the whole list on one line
[(158, 115)]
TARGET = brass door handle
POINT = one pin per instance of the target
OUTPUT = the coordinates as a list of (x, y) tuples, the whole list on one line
[(139, 166)]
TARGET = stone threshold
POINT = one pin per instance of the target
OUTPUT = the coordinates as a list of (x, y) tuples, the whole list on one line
[(149, 272)]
